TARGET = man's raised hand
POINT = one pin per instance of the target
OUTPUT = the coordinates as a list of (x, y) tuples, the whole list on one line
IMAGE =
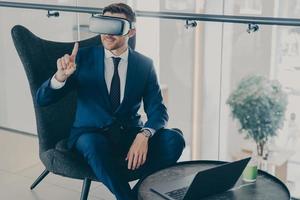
[(66, 65)]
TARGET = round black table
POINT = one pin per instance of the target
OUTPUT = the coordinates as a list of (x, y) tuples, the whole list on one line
[(266, 186)]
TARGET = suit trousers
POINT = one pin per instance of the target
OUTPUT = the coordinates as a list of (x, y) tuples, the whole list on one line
[(106, 157)]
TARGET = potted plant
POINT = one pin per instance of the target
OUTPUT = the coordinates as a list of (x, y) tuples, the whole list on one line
[(259, 104)]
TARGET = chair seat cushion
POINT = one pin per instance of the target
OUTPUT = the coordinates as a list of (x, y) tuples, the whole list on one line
[(62, 145), (65, 162)]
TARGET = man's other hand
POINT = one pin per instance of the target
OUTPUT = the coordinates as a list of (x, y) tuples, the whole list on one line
[(66, 65), (137, 154)]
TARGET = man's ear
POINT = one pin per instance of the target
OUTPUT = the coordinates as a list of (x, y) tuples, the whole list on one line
[(131, 33)]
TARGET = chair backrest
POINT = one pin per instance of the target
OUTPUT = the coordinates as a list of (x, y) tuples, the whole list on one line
[(39, 61)]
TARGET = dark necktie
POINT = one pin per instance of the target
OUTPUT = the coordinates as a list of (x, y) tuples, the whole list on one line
[(115, 86)]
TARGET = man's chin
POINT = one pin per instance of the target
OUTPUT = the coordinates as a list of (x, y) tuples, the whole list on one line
[(109, 47)]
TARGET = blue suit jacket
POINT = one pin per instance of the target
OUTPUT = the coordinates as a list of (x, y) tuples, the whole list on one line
[(93, 104)]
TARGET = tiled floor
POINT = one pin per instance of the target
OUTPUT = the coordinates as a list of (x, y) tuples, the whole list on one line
[(20, 166)]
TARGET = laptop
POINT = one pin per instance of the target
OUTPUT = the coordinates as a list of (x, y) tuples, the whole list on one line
[(205, 183)]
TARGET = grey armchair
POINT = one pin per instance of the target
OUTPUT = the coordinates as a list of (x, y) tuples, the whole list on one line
[(53, 122)]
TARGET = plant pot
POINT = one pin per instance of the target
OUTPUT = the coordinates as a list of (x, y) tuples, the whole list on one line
[(250, 172), (258, 161)]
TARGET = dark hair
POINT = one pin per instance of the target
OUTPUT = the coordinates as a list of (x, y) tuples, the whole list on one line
[(121, 8)]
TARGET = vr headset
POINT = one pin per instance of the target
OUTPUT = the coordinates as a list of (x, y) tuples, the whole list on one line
[(109, 25)]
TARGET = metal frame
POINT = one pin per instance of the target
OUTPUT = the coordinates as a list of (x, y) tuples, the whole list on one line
[(164, 15), (85, 185)]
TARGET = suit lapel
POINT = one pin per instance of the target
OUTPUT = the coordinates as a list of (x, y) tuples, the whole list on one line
[(100, 58)]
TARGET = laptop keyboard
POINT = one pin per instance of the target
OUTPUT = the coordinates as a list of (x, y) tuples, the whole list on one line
[(178, 194)]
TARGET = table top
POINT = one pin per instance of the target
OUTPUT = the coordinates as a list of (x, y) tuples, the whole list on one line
[(265, 187)]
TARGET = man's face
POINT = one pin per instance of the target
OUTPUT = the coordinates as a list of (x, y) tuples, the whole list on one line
[(113, 42)]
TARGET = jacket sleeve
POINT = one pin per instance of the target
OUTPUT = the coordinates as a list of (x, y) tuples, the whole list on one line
[(153, 102), (46, 95)]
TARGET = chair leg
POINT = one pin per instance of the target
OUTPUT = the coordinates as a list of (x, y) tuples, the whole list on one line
[(85, 189), (39, 179)]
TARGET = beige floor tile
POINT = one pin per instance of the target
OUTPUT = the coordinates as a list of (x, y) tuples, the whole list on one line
[(68, 183), (102, 192), (18, 190), (7, 178), (18, 151), (10, 181), (33, 171)]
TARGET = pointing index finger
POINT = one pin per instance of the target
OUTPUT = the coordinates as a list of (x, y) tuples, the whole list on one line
[(75, 49)]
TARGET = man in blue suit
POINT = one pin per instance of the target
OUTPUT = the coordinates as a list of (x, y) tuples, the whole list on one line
[(112, 80)]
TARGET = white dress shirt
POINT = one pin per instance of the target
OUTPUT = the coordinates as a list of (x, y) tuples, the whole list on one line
[(109, 70), (108, 73)]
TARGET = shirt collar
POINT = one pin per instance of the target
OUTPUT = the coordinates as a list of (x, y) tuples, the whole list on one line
[(123, 56)]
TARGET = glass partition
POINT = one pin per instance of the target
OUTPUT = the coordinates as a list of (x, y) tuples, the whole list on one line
[(272, 51), (15, 102)]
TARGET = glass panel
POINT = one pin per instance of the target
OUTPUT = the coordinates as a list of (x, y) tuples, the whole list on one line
[(273, 52), (100, 4), (265, 8), (15, 102), (249, 8), (286, 69), (171, 46), (176, 67), (141, 5), (289, 9), (56, 2)]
